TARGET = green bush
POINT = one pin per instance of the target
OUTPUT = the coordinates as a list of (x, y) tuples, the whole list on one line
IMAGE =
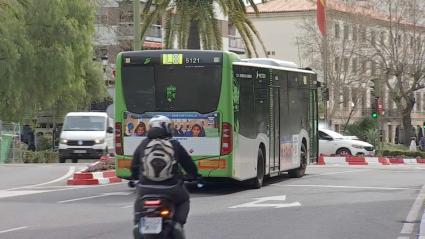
[(46, 156), (44, 142), (372, 136), (400, 153), (360, 128)]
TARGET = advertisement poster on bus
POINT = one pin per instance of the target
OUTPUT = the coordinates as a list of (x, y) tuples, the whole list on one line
[(198, 133)]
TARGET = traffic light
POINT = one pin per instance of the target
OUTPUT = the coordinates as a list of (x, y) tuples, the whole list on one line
[(374, 107), (373, 88)]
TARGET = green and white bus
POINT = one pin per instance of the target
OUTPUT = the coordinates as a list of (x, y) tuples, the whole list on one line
[(240, 119)]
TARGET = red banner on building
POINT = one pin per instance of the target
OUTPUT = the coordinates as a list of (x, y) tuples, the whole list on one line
[(321, 16)]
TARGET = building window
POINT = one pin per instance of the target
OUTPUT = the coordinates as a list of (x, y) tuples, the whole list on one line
[(126, 16), (101, 19), (418, 102), (337, 63), (346, 97), (337, 128), (346, 32), (372, 68), (382, 40), (355, 29), (363, 104), (337, 30), (354, 65), (346, 63), (399, 40), (363, 66), (363, 34), (372, 38)]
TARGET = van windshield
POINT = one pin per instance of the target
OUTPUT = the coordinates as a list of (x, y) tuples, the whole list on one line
[(84, 123)]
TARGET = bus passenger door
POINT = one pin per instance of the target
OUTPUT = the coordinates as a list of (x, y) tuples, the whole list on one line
[(274, 126)]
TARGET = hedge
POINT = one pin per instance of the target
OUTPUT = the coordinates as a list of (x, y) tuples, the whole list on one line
[(46, 156), (401, 153)]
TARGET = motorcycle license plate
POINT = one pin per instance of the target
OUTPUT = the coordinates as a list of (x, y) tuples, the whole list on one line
[(150, 225)]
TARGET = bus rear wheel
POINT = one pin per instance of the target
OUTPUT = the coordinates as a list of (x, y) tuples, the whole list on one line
[(300, 171), (257, 182)]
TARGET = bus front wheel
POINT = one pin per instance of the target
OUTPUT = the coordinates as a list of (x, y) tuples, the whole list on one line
[(257, 182), (300, 171)]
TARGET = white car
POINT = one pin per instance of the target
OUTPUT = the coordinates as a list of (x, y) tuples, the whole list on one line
[(331, 142)]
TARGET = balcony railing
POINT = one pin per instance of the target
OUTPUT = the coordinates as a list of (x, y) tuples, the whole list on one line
[(126, 32), (236, 44)]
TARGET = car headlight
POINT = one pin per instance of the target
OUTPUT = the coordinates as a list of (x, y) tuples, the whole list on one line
[(63, 141), (99, 141), (357, 146)]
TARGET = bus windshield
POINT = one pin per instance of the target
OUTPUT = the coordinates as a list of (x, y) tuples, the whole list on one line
[(163, 88), (84, 123)]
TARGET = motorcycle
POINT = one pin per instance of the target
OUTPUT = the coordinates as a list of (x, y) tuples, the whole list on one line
[(155, 218)]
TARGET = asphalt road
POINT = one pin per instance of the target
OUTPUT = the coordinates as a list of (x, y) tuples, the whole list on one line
[(329, 202)]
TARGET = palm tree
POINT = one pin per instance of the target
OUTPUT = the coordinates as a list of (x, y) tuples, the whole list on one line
[(192, 22)]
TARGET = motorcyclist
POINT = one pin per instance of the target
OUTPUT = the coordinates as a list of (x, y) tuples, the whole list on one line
[(160, 128)]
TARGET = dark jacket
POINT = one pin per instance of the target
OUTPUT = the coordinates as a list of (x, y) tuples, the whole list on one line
[(182, 157)]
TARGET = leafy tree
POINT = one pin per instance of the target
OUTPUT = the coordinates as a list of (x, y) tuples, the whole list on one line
[(401, 56), (47, 54), (192, 22)]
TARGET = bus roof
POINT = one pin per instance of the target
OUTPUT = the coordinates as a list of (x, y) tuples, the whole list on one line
[(273, 64), (87, 114)]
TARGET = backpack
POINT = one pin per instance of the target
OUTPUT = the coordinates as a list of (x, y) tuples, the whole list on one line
[(159, 160)]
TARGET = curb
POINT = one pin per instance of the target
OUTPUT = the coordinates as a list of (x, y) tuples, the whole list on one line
[(362, 160), (422, 228), (94, 178)]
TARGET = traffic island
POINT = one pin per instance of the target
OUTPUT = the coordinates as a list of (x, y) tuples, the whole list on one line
[(100, 172), (365, 160)]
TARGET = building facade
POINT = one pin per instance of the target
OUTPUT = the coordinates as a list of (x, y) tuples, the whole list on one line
[(289, 30), (115, 31)]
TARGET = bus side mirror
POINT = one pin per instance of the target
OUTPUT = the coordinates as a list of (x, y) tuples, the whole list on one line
[(110, 130)]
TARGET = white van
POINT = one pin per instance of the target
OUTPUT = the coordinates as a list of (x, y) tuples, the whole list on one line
[(86, 135)]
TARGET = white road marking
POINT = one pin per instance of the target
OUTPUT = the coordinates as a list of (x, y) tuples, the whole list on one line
[(13, 229), (128, 206), (7, 194), (259, 202), (71, 170), (348, 171), (338, 186), (97, 196), (414, 213)]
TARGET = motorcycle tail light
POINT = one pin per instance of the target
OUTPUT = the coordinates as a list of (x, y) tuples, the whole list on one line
[(152, 203)]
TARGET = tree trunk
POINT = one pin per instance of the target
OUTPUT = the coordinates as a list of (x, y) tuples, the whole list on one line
[(194, 41), (407, 122)]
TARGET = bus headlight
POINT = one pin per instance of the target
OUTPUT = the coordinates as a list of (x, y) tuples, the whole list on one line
[(63, 141), (99, 141)]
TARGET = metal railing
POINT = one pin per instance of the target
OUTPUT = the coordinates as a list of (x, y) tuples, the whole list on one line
[(126, 32), (236, 43)]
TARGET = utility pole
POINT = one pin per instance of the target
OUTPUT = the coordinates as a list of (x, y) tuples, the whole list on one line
[(136, 24)]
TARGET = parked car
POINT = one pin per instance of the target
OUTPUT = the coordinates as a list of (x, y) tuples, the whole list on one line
[(331, 143)]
